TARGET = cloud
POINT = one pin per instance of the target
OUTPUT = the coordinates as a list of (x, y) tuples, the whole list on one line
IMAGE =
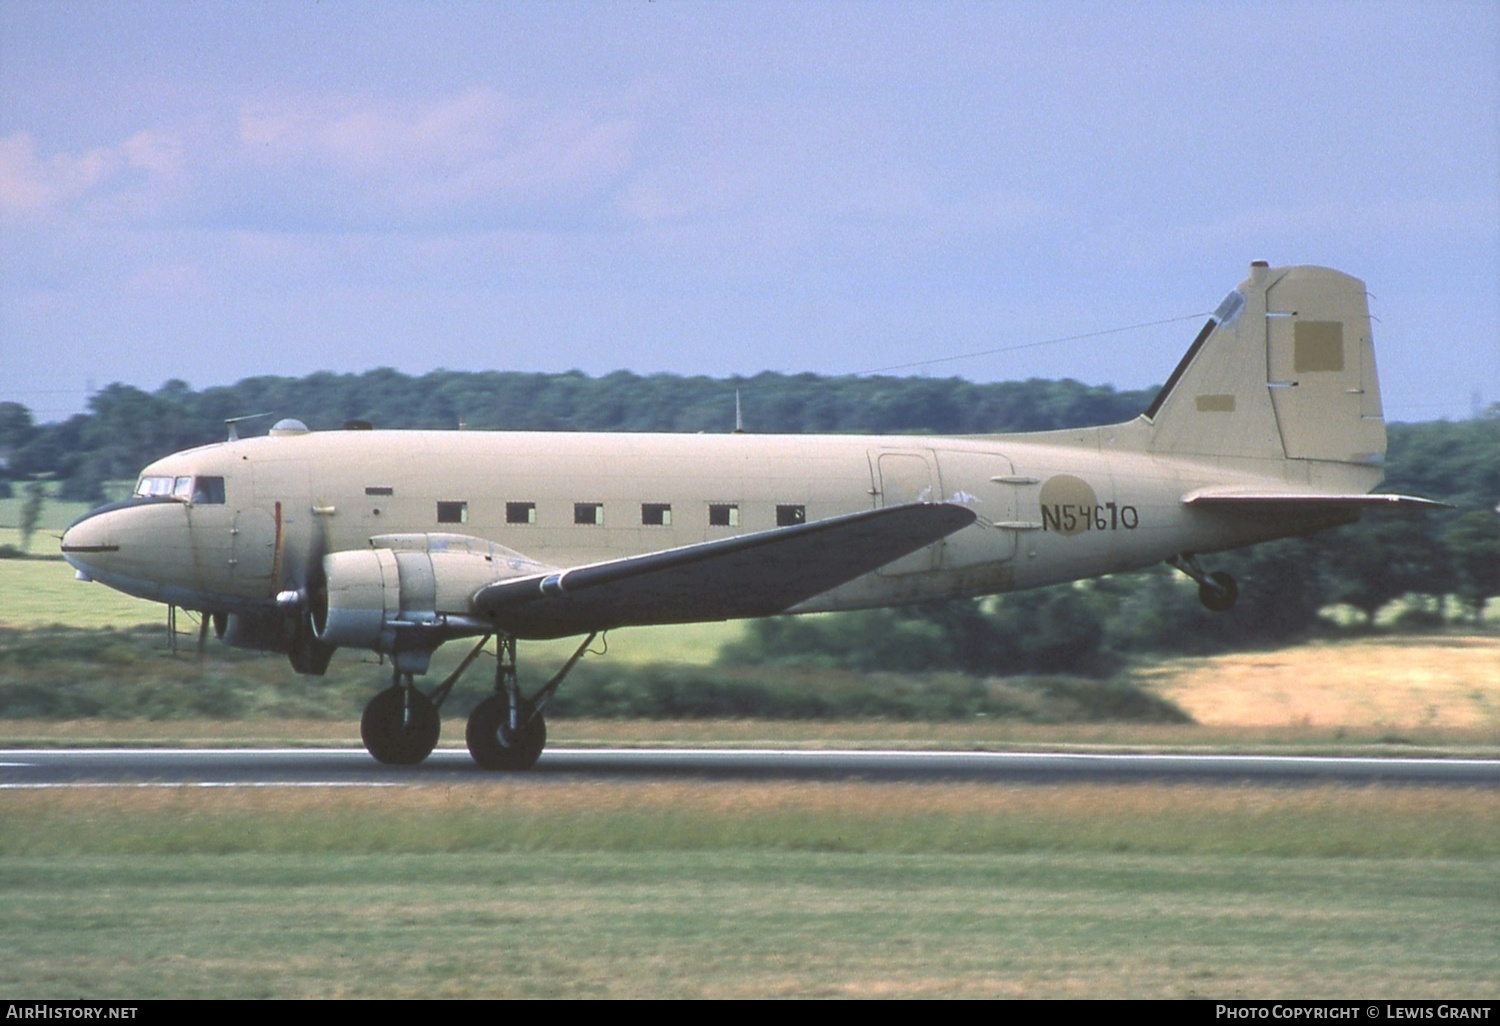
[(477, 156), (32, 185), (154, 152), (35, 187)]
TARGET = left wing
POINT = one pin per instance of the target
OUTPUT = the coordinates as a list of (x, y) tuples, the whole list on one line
[(749, 575)]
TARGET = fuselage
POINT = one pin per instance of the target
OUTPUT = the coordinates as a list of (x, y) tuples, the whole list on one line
[(238, 523)]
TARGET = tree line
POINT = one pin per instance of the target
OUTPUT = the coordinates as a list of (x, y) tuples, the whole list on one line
[(125, 427), (1437, 562)]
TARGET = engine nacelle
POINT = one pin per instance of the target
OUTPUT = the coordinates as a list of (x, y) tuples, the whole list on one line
[(406, 599)]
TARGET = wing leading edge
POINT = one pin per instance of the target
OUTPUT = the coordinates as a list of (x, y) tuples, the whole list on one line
[(745, 576)]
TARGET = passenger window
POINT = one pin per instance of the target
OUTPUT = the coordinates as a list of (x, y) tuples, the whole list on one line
[(787, 515), (723, 514), (453, 512), (588, 513), (656, 514), (520, 512)]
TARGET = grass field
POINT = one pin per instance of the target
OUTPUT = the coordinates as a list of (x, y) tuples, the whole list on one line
[(518, 888), (55, 516), (1402, 682)]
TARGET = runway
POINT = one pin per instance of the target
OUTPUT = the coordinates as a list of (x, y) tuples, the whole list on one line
[(346, 767)]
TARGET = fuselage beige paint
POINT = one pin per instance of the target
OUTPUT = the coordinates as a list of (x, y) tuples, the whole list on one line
[(1052, 508)]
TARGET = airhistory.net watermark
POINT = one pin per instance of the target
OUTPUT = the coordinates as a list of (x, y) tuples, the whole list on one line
[(49, 1010)]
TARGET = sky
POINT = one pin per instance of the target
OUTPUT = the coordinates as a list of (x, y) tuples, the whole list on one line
[(209, 191)]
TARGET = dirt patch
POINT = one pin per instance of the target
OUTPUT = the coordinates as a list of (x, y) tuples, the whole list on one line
[(1397, 683)]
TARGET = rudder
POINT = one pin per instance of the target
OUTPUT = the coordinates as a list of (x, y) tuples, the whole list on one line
[(1284, 370)]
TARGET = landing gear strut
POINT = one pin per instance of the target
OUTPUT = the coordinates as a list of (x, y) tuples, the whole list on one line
[(1217, 591), (506, 731)]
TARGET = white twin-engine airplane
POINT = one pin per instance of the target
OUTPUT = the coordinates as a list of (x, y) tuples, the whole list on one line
[(398, 541)]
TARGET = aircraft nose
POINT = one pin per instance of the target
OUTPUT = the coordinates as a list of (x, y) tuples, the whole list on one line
[(128, 538), (90, 540)]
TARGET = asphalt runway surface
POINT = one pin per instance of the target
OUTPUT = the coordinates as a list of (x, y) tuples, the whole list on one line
[(347, 767)]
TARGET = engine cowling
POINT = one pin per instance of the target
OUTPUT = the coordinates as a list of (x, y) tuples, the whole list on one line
[(361, 598), (410, 595)]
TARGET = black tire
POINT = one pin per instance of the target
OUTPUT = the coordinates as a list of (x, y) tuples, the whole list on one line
[(494, 747), (395, 738), (307, 654), (1220, 595)]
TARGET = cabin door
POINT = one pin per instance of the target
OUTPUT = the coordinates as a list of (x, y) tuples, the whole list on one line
[(986, 483), (902, 477)]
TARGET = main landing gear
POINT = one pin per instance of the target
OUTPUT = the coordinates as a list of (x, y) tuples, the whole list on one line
[(1217, 591), (506, 731), (400, 725)]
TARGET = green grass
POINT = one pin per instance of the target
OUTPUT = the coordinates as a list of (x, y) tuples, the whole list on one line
[(731, 925), (40, 592), (56, 515), (512, 814), (524, 889)]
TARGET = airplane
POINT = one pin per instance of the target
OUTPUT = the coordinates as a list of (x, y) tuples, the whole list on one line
[(396, 542)]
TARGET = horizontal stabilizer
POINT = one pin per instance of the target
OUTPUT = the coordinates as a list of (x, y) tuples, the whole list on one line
[(749, 575), (1230, 498)]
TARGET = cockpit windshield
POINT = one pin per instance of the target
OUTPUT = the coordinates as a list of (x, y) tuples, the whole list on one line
[(199, 491)]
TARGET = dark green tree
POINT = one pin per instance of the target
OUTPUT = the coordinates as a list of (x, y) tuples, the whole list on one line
[(16, 427), (1472, 540), (33, 497)]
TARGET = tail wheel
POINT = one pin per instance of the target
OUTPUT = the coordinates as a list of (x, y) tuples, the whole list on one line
[(1218, 592), (495, 746), (400, 726)]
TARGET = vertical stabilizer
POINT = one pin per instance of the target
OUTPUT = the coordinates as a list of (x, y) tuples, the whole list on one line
[(1284, 370)]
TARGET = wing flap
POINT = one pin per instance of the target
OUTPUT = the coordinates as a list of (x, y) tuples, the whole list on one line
[(748, 575)]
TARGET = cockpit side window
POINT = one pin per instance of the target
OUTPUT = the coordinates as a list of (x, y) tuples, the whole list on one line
[(200, 491), (208, 491)]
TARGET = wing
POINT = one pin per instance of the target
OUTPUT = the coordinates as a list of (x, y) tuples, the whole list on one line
[(749, 575)]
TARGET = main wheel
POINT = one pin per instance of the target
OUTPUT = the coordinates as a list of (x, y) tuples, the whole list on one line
[(494, 746), (1219, 592), (400, 726)]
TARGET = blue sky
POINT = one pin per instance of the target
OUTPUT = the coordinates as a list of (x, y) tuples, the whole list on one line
[(209, 191)]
